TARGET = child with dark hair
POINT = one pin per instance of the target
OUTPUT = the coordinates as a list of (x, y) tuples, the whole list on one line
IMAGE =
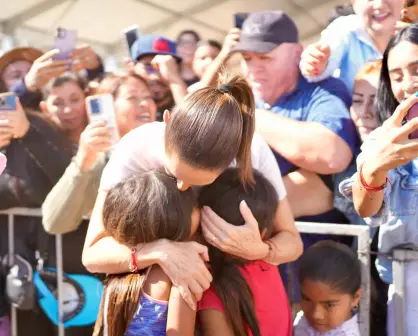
[(330, 281), (143, 209), (246, 297)]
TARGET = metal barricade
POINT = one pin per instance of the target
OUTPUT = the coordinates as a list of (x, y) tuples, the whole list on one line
[(363, 252), (11, 213), (400, 258)]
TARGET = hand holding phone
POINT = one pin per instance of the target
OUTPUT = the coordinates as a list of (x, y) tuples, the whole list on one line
[(13, 120), (100, 108), (412, 113), (132, 34), (7, 101), (239, 19), (65, 43)]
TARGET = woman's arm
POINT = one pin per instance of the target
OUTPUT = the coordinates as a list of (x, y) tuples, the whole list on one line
[(182, 262), (181, 318), (211, 74), (71, 198), (286, 244), (368, 203), (214, 323)]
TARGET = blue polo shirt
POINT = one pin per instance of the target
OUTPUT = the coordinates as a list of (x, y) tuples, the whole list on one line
[(326, 102)]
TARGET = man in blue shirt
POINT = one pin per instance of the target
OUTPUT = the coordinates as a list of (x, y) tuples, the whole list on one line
[(307, 125)]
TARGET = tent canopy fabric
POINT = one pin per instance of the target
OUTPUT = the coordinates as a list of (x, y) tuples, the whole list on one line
[(100, 22)]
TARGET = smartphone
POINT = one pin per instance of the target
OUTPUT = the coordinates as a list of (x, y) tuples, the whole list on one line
[(7, 101), (239, 19), (131, 35), (100, 107), (65, 42), (412, 113)]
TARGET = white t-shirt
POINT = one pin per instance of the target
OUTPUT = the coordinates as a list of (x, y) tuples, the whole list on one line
[(142, 149), (301, 327)]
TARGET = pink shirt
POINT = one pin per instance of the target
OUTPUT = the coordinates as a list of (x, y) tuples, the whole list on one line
[(142, 149), (270, 299)]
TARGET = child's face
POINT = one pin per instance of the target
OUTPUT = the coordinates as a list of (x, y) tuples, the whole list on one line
[(379, 16), (325, 308)]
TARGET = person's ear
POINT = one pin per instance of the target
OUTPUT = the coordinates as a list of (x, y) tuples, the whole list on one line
[(357, 297), (43, 107), (166, 116)]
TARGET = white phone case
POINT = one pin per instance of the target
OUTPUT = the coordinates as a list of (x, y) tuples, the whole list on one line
[(100, 107)]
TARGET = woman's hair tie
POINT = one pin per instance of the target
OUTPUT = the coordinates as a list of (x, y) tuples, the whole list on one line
[(225, 88)]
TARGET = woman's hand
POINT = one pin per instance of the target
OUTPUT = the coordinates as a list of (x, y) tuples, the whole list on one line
[(44, 69), (95, 139), (393, 147), (314, 59), (231, 40), (168, 67), (84, 57), (184, 263), (13, 124), (241, 241)]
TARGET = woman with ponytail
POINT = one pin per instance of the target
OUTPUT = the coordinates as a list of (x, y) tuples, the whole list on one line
[(211, 130), (247, 298)]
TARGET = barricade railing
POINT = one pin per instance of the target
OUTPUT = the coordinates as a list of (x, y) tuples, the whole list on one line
[(11, 213), (363, 251)]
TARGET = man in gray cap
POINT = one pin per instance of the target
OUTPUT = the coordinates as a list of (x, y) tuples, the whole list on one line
[(307, 125)]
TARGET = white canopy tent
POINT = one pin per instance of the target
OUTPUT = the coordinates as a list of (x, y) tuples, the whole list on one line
[(100, 22)]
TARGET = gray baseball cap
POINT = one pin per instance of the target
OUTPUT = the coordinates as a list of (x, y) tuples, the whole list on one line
[(264, 31)]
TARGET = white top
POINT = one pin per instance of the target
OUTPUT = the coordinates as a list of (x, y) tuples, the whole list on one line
[(142, 149), (301, 327)]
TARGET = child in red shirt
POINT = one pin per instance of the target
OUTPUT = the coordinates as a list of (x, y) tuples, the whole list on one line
[(246, 298)]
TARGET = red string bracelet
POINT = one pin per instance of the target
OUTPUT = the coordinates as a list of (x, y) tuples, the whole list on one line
[(133, 266), (366, 186)]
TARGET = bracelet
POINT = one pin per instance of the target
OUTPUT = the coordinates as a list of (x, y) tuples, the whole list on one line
[(133, 266), (267, 257), (366, 186)]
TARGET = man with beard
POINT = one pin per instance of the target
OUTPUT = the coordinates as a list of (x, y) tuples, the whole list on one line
[(157, 62)]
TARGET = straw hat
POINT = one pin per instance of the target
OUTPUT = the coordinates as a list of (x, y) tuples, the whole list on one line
[(19, 54)]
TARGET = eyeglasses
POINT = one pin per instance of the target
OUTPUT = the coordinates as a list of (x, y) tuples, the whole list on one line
[(148, 67)]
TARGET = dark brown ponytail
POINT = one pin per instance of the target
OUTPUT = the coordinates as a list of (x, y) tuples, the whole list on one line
[(214, 126), (233, 290)]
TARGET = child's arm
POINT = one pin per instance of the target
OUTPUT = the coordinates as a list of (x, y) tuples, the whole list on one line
[(214, 323), (320, 60), (181, 319)]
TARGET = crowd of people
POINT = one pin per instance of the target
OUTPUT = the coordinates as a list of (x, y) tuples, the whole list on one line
[(191, 214)]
